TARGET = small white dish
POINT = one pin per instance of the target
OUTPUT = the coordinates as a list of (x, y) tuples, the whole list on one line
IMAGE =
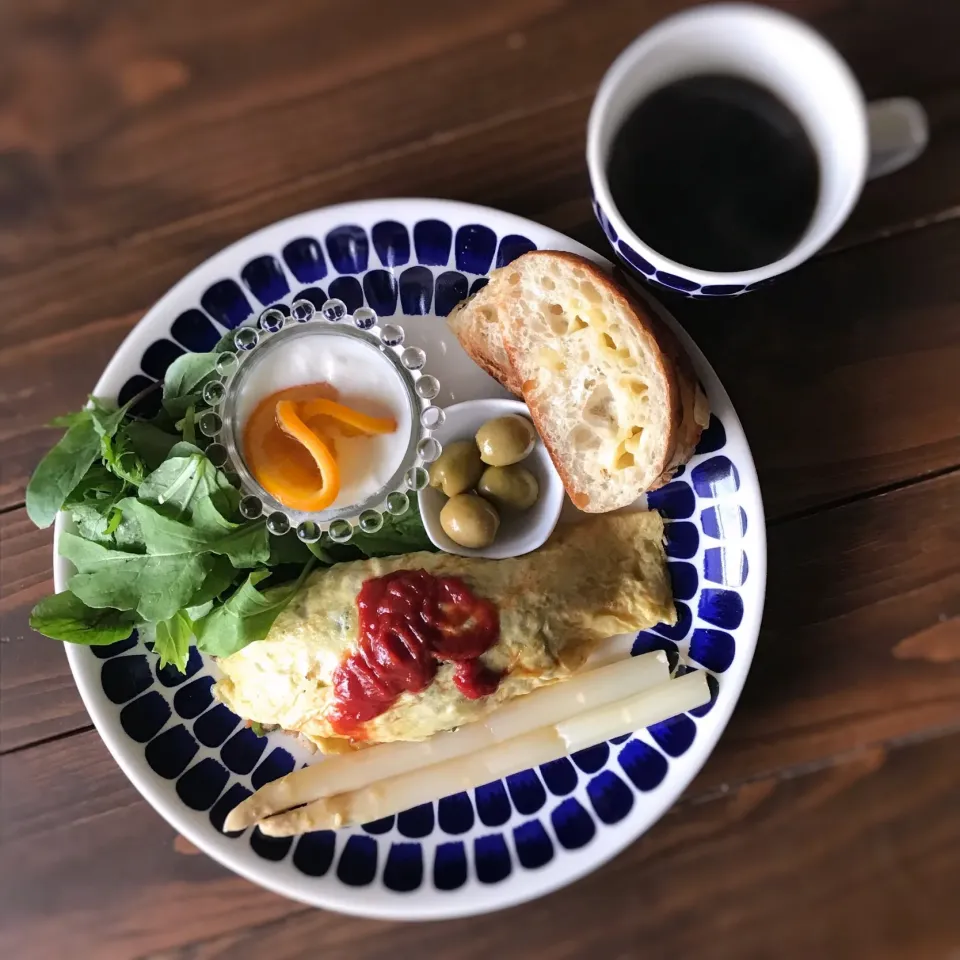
[(520, 531)]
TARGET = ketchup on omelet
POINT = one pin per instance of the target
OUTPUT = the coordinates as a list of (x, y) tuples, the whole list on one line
[(410, 623)]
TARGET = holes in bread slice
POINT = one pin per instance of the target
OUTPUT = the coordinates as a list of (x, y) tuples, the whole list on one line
[(628, 448), (600, 409), (549, 359), (592, 294), (583, 438), (560, 323), (513, 279)]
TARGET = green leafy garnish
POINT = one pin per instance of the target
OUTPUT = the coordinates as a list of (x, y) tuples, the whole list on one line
[(184, 382), (158, 542), (65, 617), (171, 639), (60, 471), (156, 585), (90, 435), (247, 616), (150, 443)]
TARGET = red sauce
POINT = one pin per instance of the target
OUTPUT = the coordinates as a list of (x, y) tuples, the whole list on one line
[(410, 622)]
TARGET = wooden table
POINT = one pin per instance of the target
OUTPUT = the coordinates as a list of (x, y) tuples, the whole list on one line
[(138, 138)]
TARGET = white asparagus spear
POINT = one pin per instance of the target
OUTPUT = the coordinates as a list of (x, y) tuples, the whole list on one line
[(406, 790), (540, 708)]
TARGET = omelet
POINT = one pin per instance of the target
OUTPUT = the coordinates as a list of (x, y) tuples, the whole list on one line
[(592, 580)]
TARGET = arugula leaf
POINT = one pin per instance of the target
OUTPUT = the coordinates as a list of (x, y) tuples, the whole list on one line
[(187, 424), (121, 459), (156, 584), (149, 442), (162, 534), (226, 343), (184, 382), (104, 523), (92, 523), (106, 421), (59, 472), (246, 616), (245, 544), (64, 616), (67, 420), (288, 550), (185, 478), (98, 488), (90, 434), (171, 639), (221, 576)]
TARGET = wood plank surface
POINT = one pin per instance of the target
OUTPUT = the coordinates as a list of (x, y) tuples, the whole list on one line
[(38, 698), (854, 859), (126, 117)]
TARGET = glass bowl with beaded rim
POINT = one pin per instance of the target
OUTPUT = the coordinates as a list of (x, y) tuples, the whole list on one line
[(275, 354)]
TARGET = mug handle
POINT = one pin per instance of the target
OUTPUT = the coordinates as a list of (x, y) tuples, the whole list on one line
[(898, 134)]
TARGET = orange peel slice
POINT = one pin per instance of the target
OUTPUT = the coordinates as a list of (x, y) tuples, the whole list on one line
[(352, 418), (296, 497)]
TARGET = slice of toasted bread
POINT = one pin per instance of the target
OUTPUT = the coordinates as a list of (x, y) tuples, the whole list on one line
[(595, 371), (485, 325)]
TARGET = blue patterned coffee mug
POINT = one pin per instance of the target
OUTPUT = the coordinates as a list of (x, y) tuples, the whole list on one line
[(854, 141)]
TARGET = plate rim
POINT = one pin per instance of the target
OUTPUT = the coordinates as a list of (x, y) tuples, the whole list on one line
[(473, 899)]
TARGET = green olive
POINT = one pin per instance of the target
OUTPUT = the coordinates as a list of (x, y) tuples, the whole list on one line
[(506, 440), (457, 469), (512, 486), (469, 520)]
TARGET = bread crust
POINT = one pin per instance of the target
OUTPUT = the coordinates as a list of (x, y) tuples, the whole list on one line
[(474, 335)]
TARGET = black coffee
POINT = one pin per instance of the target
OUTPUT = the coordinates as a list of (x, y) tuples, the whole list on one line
[(715, 172)]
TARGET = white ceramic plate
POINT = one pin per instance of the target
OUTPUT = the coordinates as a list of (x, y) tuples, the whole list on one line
[(508, 841)]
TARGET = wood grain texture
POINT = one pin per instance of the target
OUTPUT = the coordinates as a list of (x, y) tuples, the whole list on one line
[(126, 117), (853, 860), (38, 698), (844, 373)]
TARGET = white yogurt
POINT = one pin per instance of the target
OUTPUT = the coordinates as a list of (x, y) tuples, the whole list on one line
[(365, 381)]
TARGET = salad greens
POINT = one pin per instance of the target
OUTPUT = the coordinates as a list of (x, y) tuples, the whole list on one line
[(157, 538)]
